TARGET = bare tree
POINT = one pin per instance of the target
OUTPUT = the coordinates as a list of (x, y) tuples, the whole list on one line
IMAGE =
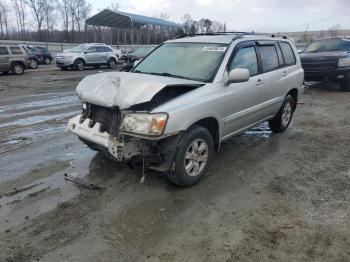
[(39, 11), (164, 16), (20, 8), (334, 30), (217, 27), (4, 25), (65, 11), (114, 6)]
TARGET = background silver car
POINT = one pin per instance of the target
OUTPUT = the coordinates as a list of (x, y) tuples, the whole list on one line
[(172, 111), (88, 55)]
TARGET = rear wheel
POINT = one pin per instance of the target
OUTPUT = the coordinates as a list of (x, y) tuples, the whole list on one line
[(193, 157), (34, 63), (17, 69), (112, 63), (47, 61), (282, 120), (79, 65)]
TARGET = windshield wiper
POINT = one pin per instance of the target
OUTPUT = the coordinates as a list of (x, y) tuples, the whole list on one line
[(167, 74)]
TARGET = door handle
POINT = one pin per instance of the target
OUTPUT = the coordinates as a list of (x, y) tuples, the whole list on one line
[(259, 82), (285, 73)]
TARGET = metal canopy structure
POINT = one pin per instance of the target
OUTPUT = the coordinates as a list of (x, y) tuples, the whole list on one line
[(119, 19)]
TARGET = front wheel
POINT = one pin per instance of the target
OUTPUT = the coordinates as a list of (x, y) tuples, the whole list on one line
[(111, 63), (79, 65), (193, 157), (345, 84), (282, 120)]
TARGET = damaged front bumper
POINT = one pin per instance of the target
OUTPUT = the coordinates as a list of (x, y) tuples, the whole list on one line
[(156, 154)]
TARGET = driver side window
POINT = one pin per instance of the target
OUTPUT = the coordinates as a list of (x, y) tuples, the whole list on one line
[(245, 58), (91, 50)]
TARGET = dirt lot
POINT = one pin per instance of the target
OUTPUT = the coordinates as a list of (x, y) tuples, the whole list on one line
[(267, 197)]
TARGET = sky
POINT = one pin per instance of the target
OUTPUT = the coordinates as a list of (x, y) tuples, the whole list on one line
[(247, 15)]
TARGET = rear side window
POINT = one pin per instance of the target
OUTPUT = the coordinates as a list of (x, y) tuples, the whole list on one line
[(3, 50), (269, 57), (245, 58), (15, 50), (103, 49), (288, 54)]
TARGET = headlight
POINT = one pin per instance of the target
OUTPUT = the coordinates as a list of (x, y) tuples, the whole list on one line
[(145, 124), (344, 62)]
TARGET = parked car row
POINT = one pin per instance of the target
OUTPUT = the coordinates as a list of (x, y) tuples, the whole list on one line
[(17, 58)]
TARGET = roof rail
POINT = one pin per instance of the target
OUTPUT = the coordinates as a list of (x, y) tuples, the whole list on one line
[(236, 34)]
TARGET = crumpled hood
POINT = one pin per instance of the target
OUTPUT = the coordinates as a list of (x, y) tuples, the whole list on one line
[(124, 89)]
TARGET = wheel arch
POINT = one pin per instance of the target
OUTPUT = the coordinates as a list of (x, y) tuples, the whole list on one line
[(80, 58), (294, 93), (212, 124)]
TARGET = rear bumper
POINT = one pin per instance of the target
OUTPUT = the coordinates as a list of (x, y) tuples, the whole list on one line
[(331, 75)]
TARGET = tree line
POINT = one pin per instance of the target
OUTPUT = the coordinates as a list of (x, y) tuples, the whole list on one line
[(64, 21)]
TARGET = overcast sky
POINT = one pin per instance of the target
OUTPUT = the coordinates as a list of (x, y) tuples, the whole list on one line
[(247, 15)]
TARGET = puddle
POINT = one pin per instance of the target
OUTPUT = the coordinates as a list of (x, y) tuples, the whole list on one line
[(262, 131), (14, 144), (57, 100), (37, 120)]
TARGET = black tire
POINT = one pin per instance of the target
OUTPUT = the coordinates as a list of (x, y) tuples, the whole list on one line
[(282, 120), (179, 175), (112, 63), (34, 64), (17, 68), (47, 60), (79, 65), (345, 84)]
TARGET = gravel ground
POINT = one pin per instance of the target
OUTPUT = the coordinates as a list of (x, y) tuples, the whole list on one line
[(267, 197)]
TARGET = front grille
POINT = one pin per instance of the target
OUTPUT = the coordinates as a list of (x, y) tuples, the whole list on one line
[(109, 118), (325, 65)]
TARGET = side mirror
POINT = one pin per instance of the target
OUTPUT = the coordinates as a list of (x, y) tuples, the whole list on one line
[(238, 75)]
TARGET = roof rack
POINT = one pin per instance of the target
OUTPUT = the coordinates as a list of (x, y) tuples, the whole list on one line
[(236, 34)]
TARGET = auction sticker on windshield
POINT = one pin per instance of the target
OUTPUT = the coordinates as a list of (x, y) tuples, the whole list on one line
[(214, 48)]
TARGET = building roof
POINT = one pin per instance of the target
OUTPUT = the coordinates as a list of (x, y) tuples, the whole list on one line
[(119, 19)]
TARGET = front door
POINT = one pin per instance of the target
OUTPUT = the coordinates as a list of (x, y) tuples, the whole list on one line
[(91, 55), (244, 99)]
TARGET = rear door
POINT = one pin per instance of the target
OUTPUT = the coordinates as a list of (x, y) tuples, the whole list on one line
[(102, 54), (4, 58), (243, 100), (272, 66)]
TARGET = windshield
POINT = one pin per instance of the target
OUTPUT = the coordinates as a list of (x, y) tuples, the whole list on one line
[(142, 51), (328, 45), (195, 61), (78, 49)]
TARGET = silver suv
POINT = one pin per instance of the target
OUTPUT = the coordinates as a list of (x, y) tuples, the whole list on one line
[(175, 108), (88, 55)]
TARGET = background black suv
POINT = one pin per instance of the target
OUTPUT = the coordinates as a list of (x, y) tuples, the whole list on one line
[(328, 60)]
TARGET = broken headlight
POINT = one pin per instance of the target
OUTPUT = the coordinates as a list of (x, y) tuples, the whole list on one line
[(144, 124)]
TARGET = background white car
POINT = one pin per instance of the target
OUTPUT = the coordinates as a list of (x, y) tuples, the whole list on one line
[(83, 55)]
